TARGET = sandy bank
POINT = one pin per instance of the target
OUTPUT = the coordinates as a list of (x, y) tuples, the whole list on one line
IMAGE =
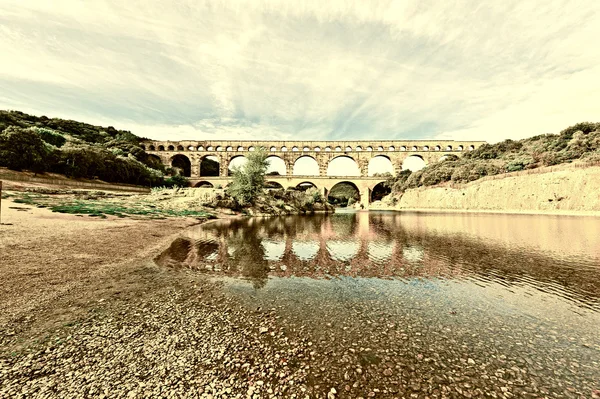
[(565, 190)]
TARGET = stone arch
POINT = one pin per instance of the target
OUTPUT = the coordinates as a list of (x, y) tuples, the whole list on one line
[(237, 161), (295, 149), (143, 147), (219, 148), (380, 164), (251, 148), (180, 148), (305, 166), (151, 148), (182, 163), (358, 148), (240, 149), (415, 148), (305, 185), (343, 194), (161, 148), (200, 148), (276, 166), (380, 148), (210, 148), (425, 148), (438, 148), (317, 149), (348, 148), (413, 163), (403, 148), (171, 148), (327, 149), (460, 148), (229, 148), (338, 149), (343, 165), (448, 148), (391, 148), (273, 149), (204, 184), (471, 147), (191, 148), (283, 149), (379, 191), (273, 185), (210, 165), (369, 148), (305, 149)]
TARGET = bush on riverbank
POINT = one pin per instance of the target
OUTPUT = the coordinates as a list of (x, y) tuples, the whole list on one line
[(577, 142)]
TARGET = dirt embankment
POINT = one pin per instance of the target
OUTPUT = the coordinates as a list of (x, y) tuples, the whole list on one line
[(560, 190)]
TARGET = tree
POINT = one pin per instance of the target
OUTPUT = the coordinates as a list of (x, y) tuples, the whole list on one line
[(249, 180), (23, 149)]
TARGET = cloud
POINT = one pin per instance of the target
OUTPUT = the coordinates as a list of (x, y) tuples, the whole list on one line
[(311, 69)]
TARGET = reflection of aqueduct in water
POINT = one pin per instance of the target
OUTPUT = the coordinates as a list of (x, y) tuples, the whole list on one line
[(189, 156)]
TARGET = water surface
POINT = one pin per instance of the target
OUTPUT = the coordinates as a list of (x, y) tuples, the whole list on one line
[(407, 302)]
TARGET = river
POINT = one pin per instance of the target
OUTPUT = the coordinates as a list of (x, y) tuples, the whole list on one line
[(503, 305)]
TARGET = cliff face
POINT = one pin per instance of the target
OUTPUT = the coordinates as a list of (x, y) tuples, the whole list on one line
[(568, 190)]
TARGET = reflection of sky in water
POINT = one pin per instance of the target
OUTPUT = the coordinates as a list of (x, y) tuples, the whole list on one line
[(343, 250), (212, 256), (380, 251), (305, 250), (274, 250), (413, 254)]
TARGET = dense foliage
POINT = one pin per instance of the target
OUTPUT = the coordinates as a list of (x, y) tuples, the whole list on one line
[(77, 150), (580, 141), (249, 181)]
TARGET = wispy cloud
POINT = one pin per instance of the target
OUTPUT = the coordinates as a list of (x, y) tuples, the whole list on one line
[(311, 69)]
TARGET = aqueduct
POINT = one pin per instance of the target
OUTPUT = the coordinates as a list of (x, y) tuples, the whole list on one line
[(188, 157)]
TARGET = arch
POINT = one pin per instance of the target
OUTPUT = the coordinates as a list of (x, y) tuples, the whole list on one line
[(284, 149), (151, 148), (210, 148), (200, 148), (449, 148), (219, 148), (273, 149), (306, 166), (154, 160), (380, 148), (403, 148), (343, 194), (358, 148), (240, 148), (380, 165), (295, 149), (191, 148), (305, 185), (276, 166), (343, 165), (305, 149), (161, 148), (204, 184), (471, 147), (317, 149), (460, 148), (392, 148), (143, 147), (327, 149), (379, 191), (210, 166), (438, 148), (348, 148), (425, 148), (229, 148), (237, 161), (182, 164), (171, 148), (413, 163), (414, 148), (273, 185), (251, 148), (369, 148), (338, 148), (179, 148)]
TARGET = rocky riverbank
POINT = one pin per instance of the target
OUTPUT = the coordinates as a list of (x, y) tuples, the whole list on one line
[(565, 189)]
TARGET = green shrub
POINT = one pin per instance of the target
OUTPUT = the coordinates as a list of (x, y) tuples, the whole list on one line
[(176, 181), (249, 180), (51, 137), (24, 149)]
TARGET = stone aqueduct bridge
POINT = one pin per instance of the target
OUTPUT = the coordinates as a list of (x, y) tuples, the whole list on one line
[(323, 152)]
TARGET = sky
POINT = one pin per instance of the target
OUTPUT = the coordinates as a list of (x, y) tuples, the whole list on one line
[(314, 70)]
